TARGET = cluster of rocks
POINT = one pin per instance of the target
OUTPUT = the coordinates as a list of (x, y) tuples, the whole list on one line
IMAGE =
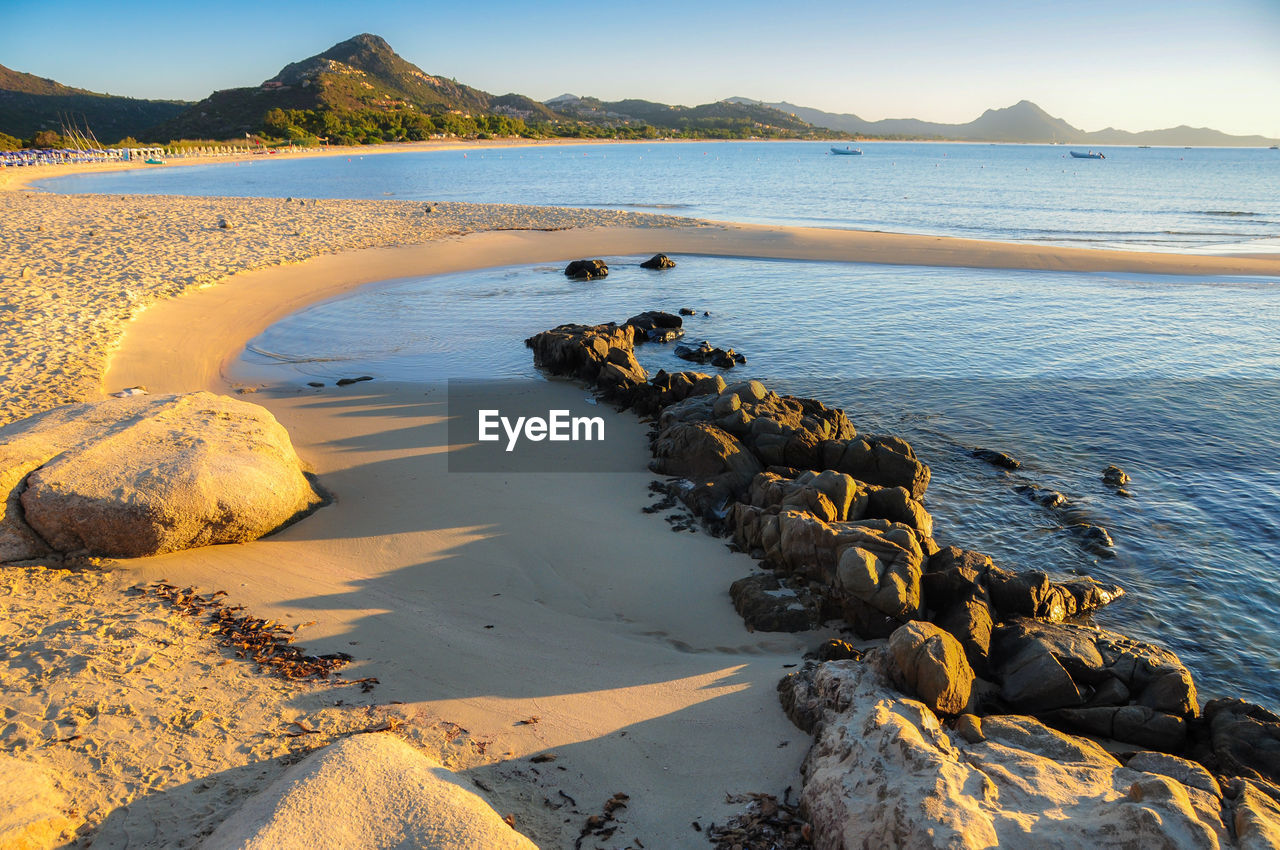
[(837, 520), (885, 771), (704, 352)]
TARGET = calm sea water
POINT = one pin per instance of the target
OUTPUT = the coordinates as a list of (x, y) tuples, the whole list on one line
[(1176, 380), (1205, 199)]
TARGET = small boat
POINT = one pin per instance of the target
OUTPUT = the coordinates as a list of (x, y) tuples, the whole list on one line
[(1274, 148), (153, 161), (847, 151), (1089, 155)]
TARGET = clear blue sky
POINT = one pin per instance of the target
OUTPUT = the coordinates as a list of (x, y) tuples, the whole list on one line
[(1132, 64)]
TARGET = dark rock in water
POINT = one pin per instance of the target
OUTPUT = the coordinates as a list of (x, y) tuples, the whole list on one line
[(658, 261), (1094, 538), (688, 311), (656, 326), (346, 382), (705, 353), (1120, 491), (1042, 496), (996, 458), (1114, 476), (837, 650), (1244, 740), (767, 606), (1133, 724), (586, 269), (603, 355), (316, 384)]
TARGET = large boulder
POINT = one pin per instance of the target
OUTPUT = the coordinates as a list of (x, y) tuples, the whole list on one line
[(929, 664), (884, 772), (367, 791), (146, 475), (603, 355)]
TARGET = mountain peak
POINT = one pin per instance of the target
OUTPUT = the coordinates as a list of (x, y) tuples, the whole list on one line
[(365, 43)]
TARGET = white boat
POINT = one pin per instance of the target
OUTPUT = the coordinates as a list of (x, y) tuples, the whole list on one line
[(847, 151), (1089, 155)]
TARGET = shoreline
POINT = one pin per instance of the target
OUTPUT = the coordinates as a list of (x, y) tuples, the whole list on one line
[(406, 564)]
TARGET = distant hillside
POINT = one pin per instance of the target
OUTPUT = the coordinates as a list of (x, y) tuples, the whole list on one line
[(735, 115), (1022, 122), (362, 74), (29, 104), (361, 91)]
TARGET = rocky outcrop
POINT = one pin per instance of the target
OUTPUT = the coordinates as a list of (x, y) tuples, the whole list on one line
[(601, 355), (996, 458), (586, 270), (884, 772), (369, 791), (658, 261), (146, 475)]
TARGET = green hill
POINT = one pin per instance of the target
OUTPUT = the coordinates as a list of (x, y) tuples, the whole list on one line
[(723, 118), (30, 104)]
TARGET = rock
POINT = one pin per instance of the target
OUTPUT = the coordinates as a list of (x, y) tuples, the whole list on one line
[(1183, 770), (896, 505), (996, 458), (930, 665), (1032, 594), (224, 224), (765, 605), (1244, 740), (1114, 476), (701, 452), (372, 791), (837, 650), (970, 622), (658, 261), (1257, 819), (1094, 538), (146, 475), (1046, 666), (705, 353), (34, 813), (656, 326), (1042, 496), (882, 569), (883, 772), (602, 355), (316, 384), (688, 311), (877, 461), (1134, 724), (586, 269), (346, 382)]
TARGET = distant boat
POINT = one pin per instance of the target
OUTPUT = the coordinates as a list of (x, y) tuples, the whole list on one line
[(154, 161), (847, 151), (1274, 148), (1089, 155)]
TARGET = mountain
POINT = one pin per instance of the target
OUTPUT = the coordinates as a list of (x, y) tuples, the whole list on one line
[(1022, 122), (361, 91), (734, 115), (361, 74), (29, 104)]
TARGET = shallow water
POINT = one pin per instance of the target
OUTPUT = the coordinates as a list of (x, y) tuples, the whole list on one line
[(1176, 380), (1206, 199)]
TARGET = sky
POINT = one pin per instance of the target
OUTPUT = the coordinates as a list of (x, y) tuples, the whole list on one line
[(1131, 64)]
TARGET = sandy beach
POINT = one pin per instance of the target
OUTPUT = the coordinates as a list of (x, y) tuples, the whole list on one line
[(504, 617)]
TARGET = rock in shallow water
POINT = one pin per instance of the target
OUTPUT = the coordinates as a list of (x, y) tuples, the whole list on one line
[(146, 475)]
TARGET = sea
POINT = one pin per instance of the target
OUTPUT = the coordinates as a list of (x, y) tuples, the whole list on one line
[(1174, 379)]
